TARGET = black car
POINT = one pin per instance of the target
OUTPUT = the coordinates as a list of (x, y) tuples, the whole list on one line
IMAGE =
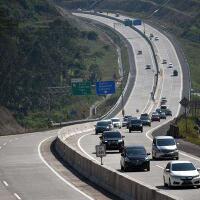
[(134, 157), (135, 125), (146, 121), (113, 140), (102, 126), (129, 121)]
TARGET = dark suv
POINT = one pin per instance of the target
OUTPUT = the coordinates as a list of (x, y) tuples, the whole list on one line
[(134, 157), (113, 140), (135, 125), (146, 121), (102, 126)]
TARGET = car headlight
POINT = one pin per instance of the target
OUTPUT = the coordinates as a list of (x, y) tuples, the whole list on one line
[(108, 127), (105, 141), (197, 176), (175, 177), (147, 158), (127, 159), (120, 140)]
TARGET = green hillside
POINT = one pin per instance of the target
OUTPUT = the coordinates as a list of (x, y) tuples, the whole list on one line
[(41, 49)]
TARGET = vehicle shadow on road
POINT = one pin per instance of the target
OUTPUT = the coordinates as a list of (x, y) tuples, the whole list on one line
[(175, 188)]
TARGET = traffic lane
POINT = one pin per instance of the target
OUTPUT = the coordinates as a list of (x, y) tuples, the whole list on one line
[(25, 172), (145, 78), (155, 176)]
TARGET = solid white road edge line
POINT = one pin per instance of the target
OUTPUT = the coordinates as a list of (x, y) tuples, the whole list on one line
[(79, 145), (5, 183), (56, 173), (17, 196)]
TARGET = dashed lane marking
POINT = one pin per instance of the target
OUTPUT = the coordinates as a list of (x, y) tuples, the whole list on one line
[(4, 144), (17, 196), (159, 166), (5, 183)]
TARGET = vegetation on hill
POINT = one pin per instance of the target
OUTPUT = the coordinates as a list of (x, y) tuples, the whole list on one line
[(41, 49)]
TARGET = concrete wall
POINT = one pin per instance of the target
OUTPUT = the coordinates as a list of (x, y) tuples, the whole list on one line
[(111, 180)]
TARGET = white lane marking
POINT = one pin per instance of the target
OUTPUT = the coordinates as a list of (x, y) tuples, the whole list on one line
[(0, 147), (17, 196), (4, 144), (79, 145), (5, 183), (56, 173), (159, 166)]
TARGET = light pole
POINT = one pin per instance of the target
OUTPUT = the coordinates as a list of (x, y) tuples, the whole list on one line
[(155, 11)]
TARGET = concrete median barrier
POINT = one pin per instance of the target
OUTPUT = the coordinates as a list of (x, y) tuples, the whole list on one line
[(111, 180)]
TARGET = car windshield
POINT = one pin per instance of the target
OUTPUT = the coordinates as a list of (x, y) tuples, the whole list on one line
[(135, 151), (112, 135), (135, 121), (144, 117), (165, 142), (102, 124), (183, 167), (115, 120)]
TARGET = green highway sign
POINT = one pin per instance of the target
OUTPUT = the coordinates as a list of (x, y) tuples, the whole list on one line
[(81, 88)]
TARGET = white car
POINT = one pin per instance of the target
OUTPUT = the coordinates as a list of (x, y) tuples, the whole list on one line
[(156, 38), (116, 122), (181, 173)]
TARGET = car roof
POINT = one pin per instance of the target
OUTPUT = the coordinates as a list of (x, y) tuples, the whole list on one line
[(134, 146), (164, 137), (179, 161)]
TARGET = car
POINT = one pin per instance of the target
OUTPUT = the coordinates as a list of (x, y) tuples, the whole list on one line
[(164, 100), (151, 35), (125, 120), (116, 122), (164, 61), (175, 73), (134, 157), (113, 140), (164, 147), (135, 125), (129, 120), (156, 38), (155, 117), (170, 65), (181, 173), (168, 112), (148, 67), (139, 52), (146, 121), (162, 115), (102, 126), (109, 122)]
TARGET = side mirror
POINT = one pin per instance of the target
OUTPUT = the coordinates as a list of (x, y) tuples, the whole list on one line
[(122, 154), (167, 170), (148, 154), (100, 137), (198, 169), (123, 136)]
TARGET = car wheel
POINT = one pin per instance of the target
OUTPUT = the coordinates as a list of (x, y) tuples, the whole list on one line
[(125, 168), (141, 130), (165, 184), (129, 130), (122, 169), (177, 158), (170, 184), (148, 167), (96, 133)]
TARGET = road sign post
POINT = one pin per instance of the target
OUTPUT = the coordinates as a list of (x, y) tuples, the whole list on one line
[(101, 151), (185, 103)]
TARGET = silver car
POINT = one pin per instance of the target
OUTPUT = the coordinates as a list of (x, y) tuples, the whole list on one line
[(181, 173), (164, 147)]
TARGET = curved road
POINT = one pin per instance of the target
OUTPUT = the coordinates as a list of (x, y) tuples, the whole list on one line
[(170, 87)]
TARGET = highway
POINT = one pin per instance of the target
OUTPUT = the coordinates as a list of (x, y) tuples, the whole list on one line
[(24, 175), (169, 86)]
